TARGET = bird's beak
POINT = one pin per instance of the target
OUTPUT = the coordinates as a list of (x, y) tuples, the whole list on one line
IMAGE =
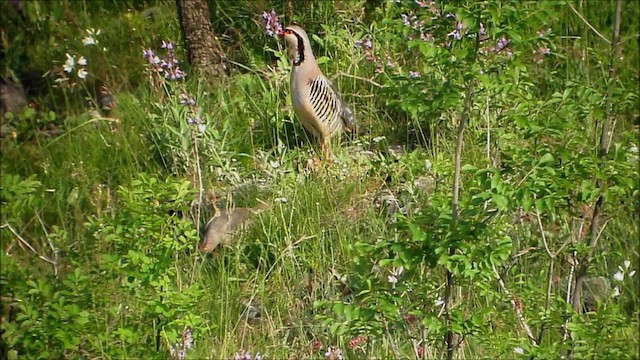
[(280, 33)]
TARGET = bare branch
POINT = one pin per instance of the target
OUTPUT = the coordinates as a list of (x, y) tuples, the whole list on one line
[(588, 24), (552, 258), (26, 243), (544, 237), (357, 78), (517, 307), (594, 231)]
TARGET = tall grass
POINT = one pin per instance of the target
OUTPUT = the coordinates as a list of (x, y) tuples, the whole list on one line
[(301, 251)]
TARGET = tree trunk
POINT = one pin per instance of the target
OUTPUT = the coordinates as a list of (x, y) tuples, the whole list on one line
[(203, 50)]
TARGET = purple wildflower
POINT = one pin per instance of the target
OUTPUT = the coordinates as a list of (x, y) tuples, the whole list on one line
[(167, 65), (502, 43), (543, 33), (539, 54), (246, 355), (174, 73), (194, 119), (167, 45), (187, 340), (405, 20), (457, 32), (333, 353), (271, 23), (426, 37), (364, 43), (367, 47), (179, 350), (482, 30), (185, 99), (390, 62)]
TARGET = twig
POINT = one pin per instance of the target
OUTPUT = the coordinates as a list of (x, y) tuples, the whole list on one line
[(200, 196), (53, 248), (517, 307), (544, 237), (357, 78), (77, 127), (454, 207), (588, 24), (466, 113), (26, 243), (570, 279), (552, 258), (394, 346), (488, 131), (594, 231)]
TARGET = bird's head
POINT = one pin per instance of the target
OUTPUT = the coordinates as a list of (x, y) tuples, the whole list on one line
[(297, 42)]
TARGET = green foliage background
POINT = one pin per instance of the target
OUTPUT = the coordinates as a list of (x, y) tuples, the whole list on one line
[(100, 216)]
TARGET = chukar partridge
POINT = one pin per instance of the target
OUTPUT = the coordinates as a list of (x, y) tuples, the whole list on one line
[(223, 227), (315, 99)]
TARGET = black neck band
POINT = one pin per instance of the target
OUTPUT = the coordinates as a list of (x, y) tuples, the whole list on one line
[(300, 58)]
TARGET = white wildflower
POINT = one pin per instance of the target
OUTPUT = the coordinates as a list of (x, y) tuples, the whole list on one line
[(427, 164), (395, 274), (82, 73), (439, 302), (280, 200), (69, 64), (202, 128), (633, 272), (392, 280), (518, 350), (619, 276), (627, 263), (82, 61), (616, 292), (88, 41), (274, 164), (378, 139)]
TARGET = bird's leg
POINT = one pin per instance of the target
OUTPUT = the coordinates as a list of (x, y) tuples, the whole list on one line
[(326, 149)]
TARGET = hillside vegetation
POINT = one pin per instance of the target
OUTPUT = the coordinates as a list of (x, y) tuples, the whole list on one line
[(111, 171)]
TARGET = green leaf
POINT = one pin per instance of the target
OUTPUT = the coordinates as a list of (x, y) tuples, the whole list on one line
[(501, 201), (545, 159), (469, 167)]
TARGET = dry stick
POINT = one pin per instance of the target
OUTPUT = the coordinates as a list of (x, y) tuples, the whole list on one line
[(573, 266), (588, 24), (583, 266), (594, 230), (552, 258), (53, 248), (516, 306), (454, 210), (357, 78), (26, 243), (570, 279), (200, 196), (488, 131), (394, 346)]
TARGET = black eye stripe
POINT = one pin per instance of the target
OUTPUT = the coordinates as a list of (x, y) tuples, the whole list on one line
[(300, 58)]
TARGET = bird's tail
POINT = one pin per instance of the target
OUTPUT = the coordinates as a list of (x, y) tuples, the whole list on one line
[(349, 121)]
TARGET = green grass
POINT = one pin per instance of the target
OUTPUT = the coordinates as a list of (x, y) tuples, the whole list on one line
[(291, 257)]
